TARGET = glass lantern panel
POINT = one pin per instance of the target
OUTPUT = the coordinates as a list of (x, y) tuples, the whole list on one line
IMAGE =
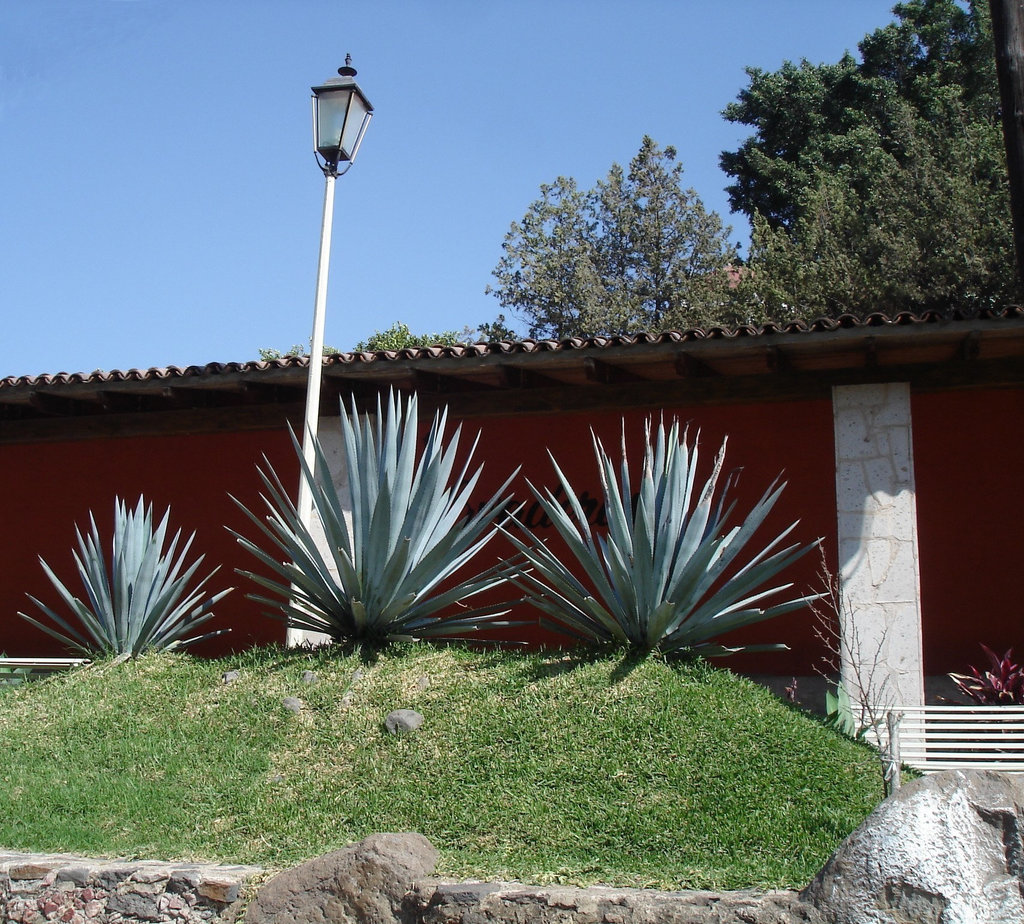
[(331, 109), (353, 127)]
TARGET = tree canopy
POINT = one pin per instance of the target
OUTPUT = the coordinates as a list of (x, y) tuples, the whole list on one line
[(635, 252), (879, 183)]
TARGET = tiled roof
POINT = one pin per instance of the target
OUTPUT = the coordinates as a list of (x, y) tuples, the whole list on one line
[(743, 333)]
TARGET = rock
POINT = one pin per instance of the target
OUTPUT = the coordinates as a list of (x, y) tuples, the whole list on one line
[(944, 849), (229, 676), (308, 677), (30, 870), (224, 891), (134, 905), (365, 883), (76, 875), (292, 704), (423, 683), (403, 720)]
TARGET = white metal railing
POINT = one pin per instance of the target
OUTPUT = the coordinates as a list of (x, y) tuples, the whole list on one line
[(38, 666), (932, 738)]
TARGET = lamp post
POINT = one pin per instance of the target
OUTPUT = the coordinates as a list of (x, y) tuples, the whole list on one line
[(341, 114)]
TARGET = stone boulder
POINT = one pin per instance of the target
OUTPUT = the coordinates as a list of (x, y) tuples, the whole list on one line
[(944, 849), (365, 883)]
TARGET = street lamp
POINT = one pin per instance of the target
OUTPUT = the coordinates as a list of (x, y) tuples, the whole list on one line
[(341, 114)]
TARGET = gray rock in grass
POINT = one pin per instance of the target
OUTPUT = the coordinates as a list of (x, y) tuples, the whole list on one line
[(292, 704), (403, 720)]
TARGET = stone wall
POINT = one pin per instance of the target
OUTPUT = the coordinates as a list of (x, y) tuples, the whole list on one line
[(514, 903), (36, 888)]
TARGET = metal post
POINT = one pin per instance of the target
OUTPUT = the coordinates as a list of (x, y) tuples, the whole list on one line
[(304, 504), (892, 755)]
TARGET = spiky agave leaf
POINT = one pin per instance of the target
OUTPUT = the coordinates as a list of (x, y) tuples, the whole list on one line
[(393, 538), (666, 573), (139, 601)]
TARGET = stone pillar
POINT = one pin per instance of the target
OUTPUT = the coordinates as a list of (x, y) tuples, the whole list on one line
[(879, 580)]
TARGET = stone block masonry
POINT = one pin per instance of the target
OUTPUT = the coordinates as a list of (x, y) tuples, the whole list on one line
[(878, 556), (38, 888)]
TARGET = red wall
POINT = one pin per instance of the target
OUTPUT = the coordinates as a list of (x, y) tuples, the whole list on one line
[(968, 448), (49, 487)]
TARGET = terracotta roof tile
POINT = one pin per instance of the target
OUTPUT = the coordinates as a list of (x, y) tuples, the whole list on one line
[(527, 346)]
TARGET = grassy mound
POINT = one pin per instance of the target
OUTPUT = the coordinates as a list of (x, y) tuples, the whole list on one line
[(537, 767)]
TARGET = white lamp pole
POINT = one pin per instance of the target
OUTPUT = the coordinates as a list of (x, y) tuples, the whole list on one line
[(341, 114)]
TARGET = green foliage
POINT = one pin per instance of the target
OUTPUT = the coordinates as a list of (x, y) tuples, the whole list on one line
[(296, 349), (399, 337), (530, 766), (878, 184), (839, 713), (497, 330), (393, 569), (667, 575), (138, 602), (635, 252)]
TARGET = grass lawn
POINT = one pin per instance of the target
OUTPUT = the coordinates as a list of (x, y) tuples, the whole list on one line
[(538, 767)]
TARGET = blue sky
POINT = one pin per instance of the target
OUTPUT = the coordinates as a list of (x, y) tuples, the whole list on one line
[(160, 202)]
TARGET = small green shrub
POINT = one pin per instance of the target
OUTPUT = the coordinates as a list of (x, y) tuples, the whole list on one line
[(668, 574), (138, 602)]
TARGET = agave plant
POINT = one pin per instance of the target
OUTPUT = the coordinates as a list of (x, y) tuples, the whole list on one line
[(1002, 685), (138, 602), (667, 574), (395, 538)]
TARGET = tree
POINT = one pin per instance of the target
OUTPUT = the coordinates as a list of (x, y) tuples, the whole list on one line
[(636, 252), (878, 184), (1008, 34)]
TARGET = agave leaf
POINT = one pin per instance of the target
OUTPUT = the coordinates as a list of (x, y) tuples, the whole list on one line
[(396, 533), (138, 601), (73, 639), (667, 572)]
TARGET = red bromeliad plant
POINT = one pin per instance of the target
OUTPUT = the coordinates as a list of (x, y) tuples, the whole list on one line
[(1003, 685)]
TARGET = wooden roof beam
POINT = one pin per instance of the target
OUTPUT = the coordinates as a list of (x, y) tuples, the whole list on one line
[(689, 367), (606, 373), (522, 377), (440, 383), (271, 392), (777, 360), (49, 404), (970, 346), (871, 352)]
